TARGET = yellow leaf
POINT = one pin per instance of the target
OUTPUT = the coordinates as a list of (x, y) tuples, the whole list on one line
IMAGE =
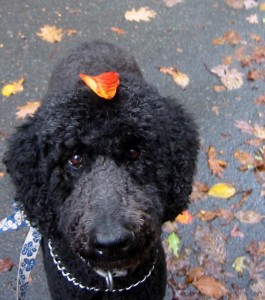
[(262, 6), (222, 190), (13, 87), (239, 264), (142, 14), (27, 109), (50, 34)]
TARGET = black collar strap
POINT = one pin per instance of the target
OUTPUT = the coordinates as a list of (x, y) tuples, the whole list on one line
[(108, 275)]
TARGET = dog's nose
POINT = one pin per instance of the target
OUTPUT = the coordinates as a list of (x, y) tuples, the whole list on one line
[(114, 244)]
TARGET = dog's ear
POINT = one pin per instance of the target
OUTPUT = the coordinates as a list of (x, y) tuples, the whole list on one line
[(22, 161), (183, 141)]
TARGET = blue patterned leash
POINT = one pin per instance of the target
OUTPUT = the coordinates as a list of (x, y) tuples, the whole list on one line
[(29, 250)]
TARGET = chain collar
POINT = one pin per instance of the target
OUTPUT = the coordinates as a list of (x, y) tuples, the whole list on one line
[(108, 275)]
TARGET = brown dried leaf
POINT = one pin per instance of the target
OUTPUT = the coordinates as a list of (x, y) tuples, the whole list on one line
[(6, 265), (232, 38), (218, 41), (206, 216), (254, 75), (142, 14), (180, 78), (194, 274), (28, 109), (244, 126), (260, 100), (249, 217), (219, 88), (259, 288), (235, 232), (199, 191), (210, 287), (212, 242), (217, 166)]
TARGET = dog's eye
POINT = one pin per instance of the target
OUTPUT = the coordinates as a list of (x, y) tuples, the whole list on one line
[(76, 160), (134, 154)]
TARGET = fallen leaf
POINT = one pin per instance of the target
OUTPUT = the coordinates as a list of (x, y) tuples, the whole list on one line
[(219, 88), (210, 240), (184, 218), (237, 4), (171, 3), (6, 265), (250, 4), (217, 166), (254, 75), (2, 174), (233, 79), (210, 287), (259, 288), (206, 216), (104, 85), (180, 78), (262, 6), (246, 159), (249, 217), (199, 191), (142, 14), (259, 131), (255, 37), (239, 264), (70, 32), (50, 34), (252, 19), (232, 38), (218, 41), (244, 126), (118, 31), (13, 87), (194, 274), (235, 232), (28, 109), (222, 190), (174, 243), (260, 100)]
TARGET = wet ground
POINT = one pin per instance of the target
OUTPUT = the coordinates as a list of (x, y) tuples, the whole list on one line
[(194, 37)]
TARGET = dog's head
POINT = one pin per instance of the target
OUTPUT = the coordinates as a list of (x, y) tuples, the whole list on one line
[(102, 176)]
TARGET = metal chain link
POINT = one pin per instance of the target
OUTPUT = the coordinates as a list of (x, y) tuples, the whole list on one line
[(72, 279)]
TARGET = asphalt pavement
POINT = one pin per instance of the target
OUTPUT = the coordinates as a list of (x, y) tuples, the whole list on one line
[(183, 36)]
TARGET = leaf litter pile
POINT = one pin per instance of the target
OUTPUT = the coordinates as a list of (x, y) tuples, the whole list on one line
[(201, 267)]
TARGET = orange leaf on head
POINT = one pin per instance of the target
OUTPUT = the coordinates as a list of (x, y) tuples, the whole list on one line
[(104, 85)]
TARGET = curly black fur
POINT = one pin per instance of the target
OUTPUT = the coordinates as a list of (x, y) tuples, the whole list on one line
[(134, 160)]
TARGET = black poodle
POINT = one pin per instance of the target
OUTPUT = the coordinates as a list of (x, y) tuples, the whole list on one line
[(99, 177)]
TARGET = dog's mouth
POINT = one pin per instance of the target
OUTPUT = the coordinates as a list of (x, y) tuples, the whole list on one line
[(130, 262)]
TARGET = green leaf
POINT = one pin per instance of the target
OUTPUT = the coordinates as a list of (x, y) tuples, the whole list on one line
[(174, 243)]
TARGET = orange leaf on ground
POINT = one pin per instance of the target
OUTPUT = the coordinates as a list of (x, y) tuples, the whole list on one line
[(210, 287), (184, 218), (118, 31), (104, 85), (28, 109)]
